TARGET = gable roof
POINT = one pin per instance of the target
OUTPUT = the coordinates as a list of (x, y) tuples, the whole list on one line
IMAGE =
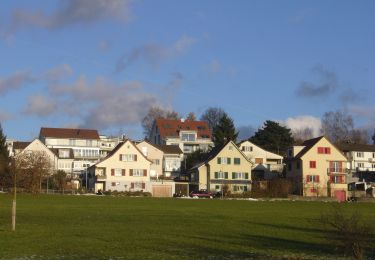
[(20, 145), (357, 147), (308, 145), (215, 151), (172, 127), (69, 133), (170, 149), (267, 152)]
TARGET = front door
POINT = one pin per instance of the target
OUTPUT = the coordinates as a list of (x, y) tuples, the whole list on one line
[(99, 186)]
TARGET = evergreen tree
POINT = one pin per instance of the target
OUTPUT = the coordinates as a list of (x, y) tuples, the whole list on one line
[(273, 137), (373, 138), (5, 173), (224, 131)]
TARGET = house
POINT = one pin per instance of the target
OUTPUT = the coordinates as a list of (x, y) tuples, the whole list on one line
[(225, 167), (266, 165), (155, 155), (317, 168), (17, 147), (172, 158), (188, 135), (361, 161), (124, 169), (83, 142), (36, 146), (65, 159), (107, 143)]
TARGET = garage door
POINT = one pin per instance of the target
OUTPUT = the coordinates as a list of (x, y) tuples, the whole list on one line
[(340, 195), (162, 191)]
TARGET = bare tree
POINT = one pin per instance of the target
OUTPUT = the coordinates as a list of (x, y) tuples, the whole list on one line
[(32, 167), (300, 135), (337, 126), (212, 116), (154, 113), (191, 117), (349, 232), (359, 136)]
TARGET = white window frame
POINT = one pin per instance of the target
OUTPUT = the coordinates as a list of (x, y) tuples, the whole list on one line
[(137, 172), (127, 157)]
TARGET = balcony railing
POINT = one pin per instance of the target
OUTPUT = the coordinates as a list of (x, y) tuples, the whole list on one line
[(101, 177), (337, 171)]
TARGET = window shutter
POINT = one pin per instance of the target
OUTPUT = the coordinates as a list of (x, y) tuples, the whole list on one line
[(135, 157), (123, 172), (228, 160), (317, 178), (307, 178), (233, 175), (120, 157), (246, 176), (226, 175), (216, 175), (328, 150), (112, 172), (113, 183), (145, 172), (218, 160), (131, 173), (341, 167), (143, 185), (132, 185)]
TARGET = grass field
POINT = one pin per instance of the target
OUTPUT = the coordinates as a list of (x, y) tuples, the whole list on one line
[(105, 227)]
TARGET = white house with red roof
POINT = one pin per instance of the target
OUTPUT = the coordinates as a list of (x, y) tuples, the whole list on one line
[(188, 135)]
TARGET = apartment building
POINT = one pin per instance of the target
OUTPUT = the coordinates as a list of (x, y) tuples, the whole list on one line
[(188, 135), (361, 161), (79, 145)]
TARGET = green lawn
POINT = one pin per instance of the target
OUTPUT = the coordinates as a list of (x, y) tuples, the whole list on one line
[(95, 227)]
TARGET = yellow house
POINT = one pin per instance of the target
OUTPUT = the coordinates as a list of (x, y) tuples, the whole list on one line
[(317, 169), (226, 165), (124, 169)]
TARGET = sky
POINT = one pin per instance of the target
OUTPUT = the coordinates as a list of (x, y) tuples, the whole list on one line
[(102, 64)]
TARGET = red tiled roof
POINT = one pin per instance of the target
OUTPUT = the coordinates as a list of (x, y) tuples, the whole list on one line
[(20, 145), (171, 127), (69, 133)]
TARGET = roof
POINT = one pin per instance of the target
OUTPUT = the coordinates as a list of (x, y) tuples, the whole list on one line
[(308, 145), (76, 133), (357, 147), (172, 127), (169, 149), (20, 145)]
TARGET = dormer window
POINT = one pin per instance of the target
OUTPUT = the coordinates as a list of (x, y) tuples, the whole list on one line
[(187, 137)]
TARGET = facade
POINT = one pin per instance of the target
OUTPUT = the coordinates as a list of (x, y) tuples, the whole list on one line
[(17, 147), (317, 168), (188, 135), (155, 155), (266, 165), (106, 144), (83, 142), (225, 166), (124, 169), (361, 161), (172, 158)]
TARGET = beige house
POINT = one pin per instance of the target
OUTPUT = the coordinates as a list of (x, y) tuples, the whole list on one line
[(124, 169), (226, 165), (317, 168), (155, 155), (266, 165)]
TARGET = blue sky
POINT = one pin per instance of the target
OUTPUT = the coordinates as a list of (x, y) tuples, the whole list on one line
[(103, 64)]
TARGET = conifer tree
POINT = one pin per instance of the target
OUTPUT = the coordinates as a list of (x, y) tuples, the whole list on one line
[(5, 174), (224, 131)]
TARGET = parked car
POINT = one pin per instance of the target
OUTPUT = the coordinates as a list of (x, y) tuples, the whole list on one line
[(202, 194)]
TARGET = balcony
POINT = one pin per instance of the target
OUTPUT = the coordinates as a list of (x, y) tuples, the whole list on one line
[(101, 177), (332, 171)]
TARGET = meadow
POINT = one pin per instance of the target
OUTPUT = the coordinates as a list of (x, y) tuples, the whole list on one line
[(103, 227)]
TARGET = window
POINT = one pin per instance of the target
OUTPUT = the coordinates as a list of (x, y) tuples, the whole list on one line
[(240, 188), (88, 142), (237, 161), (247, 148), (138, 185), (324, 150), (188, 137), (72, 142), (156, 161), (221, 175), (360, 154), (312, 178), (240, 175), (144, 151), (373, 165), (361, 165), (138, 172), (223, 160), (312, 164), (217, 187), (118, 172), (128, 157), (230, 147), (338, 179), (373, 155), (64, 153), (115, 184)]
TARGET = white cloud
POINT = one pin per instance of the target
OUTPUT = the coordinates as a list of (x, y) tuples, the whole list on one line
[(299, 123), (58, 72)]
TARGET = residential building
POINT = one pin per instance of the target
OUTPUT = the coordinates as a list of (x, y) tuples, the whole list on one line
[(155, 155), (361, 161), (17, 147), (224, 166), (266, 165), (124, 169), (188, 135), (107, 143), (83, 142), (172, 158), (317, 168)]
